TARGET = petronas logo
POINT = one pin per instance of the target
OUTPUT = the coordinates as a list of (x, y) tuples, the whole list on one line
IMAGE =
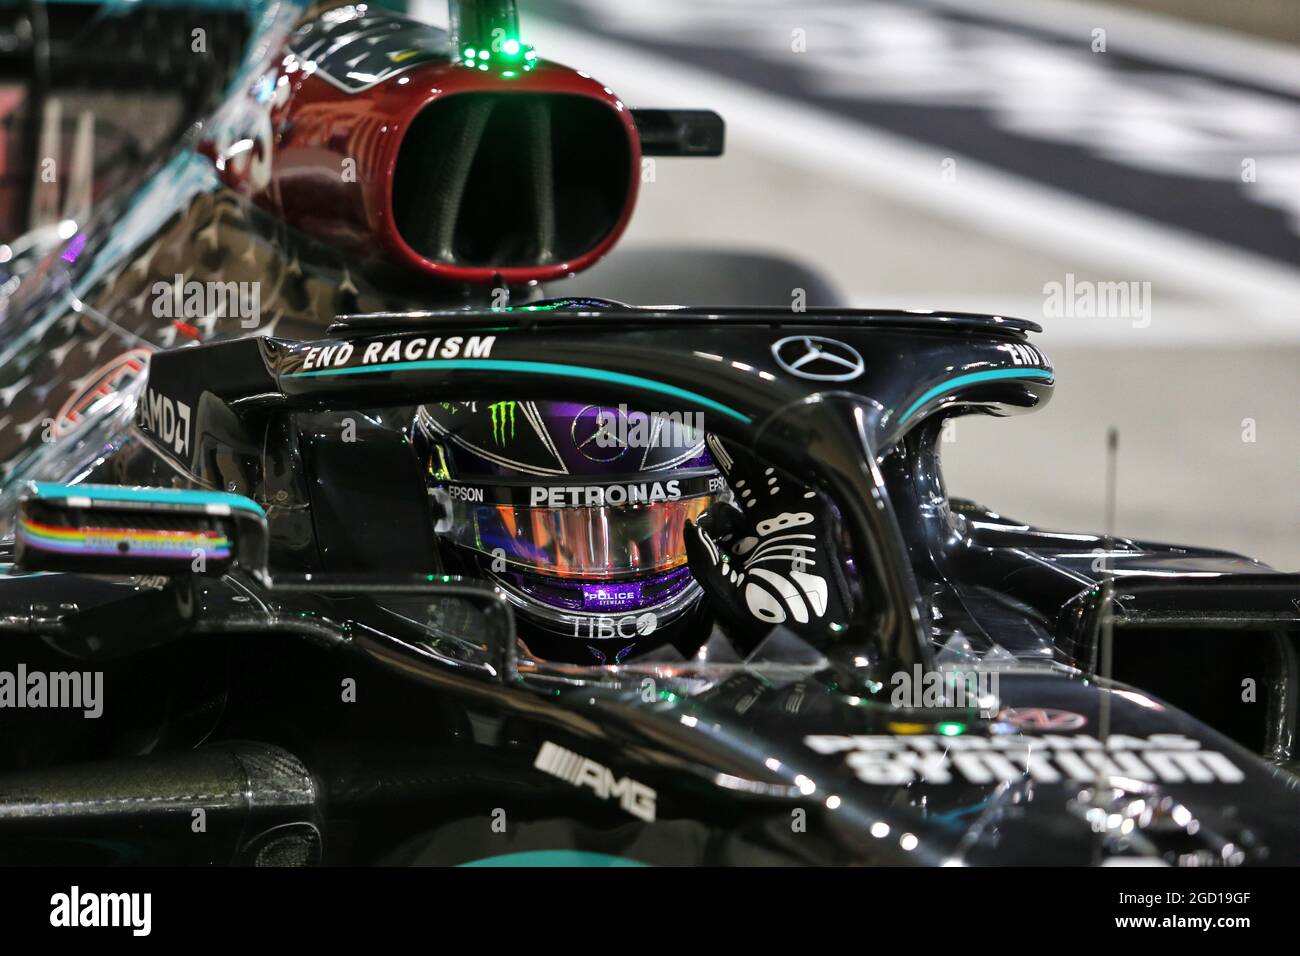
[(503, 421)]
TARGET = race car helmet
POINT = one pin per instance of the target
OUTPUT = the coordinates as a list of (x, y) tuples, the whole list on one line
[(578, 512)]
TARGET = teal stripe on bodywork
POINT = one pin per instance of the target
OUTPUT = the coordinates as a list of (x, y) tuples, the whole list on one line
[(536, 368), (158, 496), (7, 571), (992, 375), (555, 858)]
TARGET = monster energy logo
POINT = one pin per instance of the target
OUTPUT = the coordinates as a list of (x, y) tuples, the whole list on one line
[(503, 417)]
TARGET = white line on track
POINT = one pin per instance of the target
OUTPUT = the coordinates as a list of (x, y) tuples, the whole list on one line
[(1175, 43)]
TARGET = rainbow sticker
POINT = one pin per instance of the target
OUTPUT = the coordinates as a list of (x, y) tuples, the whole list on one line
[(122, 541)]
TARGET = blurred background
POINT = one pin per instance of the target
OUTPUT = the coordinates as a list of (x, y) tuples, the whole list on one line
[(1013, 156)]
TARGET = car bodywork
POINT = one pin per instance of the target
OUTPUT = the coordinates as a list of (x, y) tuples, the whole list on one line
[(329, 695)]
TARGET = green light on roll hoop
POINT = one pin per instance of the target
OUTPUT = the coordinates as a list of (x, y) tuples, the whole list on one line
[(512, 59), (487, 32)]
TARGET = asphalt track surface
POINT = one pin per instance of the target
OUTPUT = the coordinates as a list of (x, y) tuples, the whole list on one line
[(967, 154)]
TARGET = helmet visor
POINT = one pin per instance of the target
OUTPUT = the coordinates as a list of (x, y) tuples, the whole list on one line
[(598, 542)]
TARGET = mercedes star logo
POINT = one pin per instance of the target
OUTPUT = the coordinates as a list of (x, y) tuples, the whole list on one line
[(597, 433), (818, 358)]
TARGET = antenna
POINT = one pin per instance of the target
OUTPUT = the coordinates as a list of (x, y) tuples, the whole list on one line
[(1103, 642), (1106, 644)]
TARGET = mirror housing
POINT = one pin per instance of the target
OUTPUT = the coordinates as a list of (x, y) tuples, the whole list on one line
[(111, 529), (679, 132)]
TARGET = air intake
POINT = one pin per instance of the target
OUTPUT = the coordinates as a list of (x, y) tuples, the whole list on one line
[(410, 154), (501, 180)]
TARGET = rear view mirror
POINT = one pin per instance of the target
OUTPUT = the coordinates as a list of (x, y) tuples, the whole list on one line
[(107, 529), (679, 132)]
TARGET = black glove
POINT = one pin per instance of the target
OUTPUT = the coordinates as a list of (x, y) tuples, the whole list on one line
[(767, 558)]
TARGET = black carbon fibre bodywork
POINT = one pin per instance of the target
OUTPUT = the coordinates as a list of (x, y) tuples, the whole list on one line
[(724, 753), (356, 702)]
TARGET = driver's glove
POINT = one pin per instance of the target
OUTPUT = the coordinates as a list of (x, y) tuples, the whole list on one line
[(768, 557)]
